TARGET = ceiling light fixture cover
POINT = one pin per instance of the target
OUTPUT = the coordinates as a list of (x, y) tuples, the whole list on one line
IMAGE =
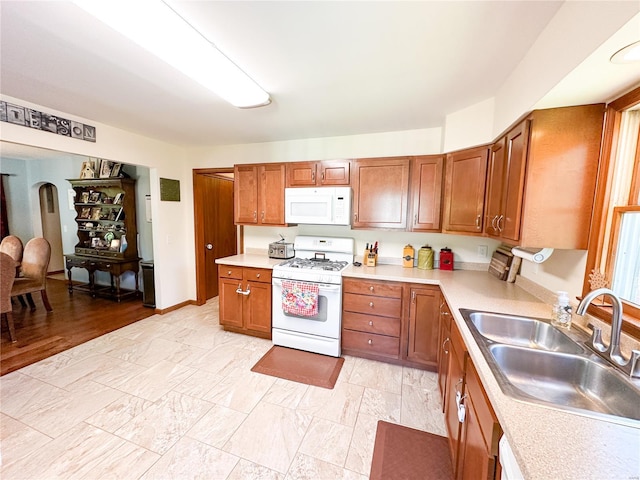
[(159, 29), (628, 54)]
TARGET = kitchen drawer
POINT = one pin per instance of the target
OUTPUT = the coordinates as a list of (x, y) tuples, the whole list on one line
[(261, 275), (372, 305), (379, 345), (227, 271), (371, 324), (367, 287)]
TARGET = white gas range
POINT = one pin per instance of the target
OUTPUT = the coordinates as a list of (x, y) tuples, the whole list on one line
[(314, 276)]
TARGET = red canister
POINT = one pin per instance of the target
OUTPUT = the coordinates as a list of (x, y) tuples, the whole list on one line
[(446, 259)]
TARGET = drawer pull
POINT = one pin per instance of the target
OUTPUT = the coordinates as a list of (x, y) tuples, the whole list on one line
[(371, 304), (370, 342), (371, 288), (229, 272), (371, 323), (257, 275)]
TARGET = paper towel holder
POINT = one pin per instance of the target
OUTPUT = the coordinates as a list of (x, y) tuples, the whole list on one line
[(532, 255)]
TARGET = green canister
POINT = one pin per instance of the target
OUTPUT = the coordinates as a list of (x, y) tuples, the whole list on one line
[(425, 258)]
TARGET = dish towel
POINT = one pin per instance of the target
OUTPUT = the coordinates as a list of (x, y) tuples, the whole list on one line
[(300, 298)]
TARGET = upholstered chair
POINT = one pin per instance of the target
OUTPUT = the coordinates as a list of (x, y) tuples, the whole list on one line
[(7, 276), (12, 246), (33, 271)]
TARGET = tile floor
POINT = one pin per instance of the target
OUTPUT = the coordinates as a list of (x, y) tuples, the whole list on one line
[(172, 396)]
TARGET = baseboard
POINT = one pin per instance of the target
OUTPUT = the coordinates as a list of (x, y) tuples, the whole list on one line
[(162, 311)]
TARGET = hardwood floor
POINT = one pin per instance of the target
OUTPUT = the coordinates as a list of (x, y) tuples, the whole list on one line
[(75, 319)]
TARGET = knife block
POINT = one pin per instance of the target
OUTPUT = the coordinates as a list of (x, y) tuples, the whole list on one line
[(370, 259)]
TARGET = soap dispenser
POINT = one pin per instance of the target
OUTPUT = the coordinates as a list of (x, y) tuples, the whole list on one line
[(561, 314)]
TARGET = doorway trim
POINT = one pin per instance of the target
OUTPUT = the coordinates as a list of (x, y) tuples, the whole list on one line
[(201, 289)]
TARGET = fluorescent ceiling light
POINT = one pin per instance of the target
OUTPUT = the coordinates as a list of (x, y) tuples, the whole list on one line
[(153, 25), (628, 54)]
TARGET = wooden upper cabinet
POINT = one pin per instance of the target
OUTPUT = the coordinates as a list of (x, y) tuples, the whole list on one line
[(426, 192), (542, 177), (259, 194), (380, 192), (505, 184), (465, 180), (324, 173)]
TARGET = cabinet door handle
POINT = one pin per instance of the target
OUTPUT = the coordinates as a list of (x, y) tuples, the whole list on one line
[(478, 217), (313, 176), (243, 292), (239, 289), (355, 217), (500, 218), (493, 222), (413, 297), (255, 215), (262, 216), (322, 176), (415, 219), (446, 352)]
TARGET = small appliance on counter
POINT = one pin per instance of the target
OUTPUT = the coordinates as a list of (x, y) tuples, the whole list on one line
[(408, 254), (446, 259), (281, 250)]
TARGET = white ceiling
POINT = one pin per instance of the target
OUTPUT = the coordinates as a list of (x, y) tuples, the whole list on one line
[(332, 68)]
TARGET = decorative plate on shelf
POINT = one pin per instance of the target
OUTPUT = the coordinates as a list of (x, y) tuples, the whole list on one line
[(108, 237)]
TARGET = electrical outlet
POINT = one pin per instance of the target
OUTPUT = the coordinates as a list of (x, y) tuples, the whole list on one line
[(482, 251)]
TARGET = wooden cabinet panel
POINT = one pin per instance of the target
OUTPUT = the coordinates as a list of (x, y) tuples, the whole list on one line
[(301, 174), (371, 344), (381, 188), (257, 307), (424, 314), (335, 172), (245, 194), (455, 384), (258, 194), (373, 305), (444, 346), (368, 323), (245, 302), (495, 185), (517, 140), (271, 194), (478, 453), (323, 173), (372, 287), (230, 302), (464, 190), (426, 192)]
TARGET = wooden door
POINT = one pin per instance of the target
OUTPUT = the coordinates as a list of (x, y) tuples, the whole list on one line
[(215, 231), (495, 184), (246, 194), (444, 347), (271, 193), (301, 174), (424, 313), (335, 172), (231, 302), (455, 383), (426, 191), (257, 308), (464, 190), (381, 189), (517, 141)]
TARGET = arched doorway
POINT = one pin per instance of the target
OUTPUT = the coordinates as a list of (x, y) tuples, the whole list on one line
[(50, 219)]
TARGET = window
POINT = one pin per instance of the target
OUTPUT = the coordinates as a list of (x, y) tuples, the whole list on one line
[(615, 237)]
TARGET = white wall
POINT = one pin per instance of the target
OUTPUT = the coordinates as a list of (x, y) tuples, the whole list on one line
[(172, 228), (564, 270), (17, 195), (470, 126)]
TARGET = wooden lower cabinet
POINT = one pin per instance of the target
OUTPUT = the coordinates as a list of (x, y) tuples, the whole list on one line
[(245, 300), (473, 442), (424, 314), (444, 349), (391, 321), (371, 319)]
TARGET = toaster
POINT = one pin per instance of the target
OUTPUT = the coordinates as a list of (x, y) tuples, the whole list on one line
[(281, 250)]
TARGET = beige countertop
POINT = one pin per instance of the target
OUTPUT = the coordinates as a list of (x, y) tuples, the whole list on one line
[(547, 443)]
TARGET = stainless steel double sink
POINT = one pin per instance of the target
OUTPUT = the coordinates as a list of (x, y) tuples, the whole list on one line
[(535, 362)]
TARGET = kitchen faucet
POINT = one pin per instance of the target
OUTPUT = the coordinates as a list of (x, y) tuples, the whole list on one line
[(611, 353)]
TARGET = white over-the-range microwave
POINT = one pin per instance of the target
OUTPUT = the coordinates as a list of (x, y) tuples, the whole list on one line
[(318, 205)]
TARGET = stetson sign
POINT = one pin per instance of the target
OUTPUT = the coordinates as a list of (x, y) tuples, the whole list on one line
[(28, 117)]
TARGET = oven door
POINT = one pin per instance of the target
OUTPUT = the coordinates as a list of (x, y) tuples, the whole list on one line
[(327, 321)]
